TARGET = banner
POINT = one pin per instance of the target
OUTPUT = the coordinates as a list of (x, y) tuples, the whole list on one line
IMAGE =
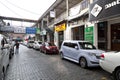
[(30, 30)]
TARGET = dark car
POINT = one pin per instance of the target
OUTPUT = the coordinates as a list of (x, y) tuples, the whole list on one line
[(49, 48)]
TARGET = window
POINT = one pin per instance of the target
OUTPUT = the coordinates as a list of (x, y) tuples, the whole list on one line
[(49, 44), (73, 45), (85, 4), (40, 42), (66, 44), (86, 45)]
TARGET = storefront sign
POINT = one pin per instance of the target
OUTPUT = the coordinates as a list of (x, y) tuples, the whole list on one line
[(89, 34), (112, 4), (104, 9), (37, 30), (60, 27)]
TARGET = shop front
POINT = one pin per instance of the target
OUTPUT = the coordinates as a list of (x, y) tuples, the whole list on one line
[(105, 14), (59, 28)]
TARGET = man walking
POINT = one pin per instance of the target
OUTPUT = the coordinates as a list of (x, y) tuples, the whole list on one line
[(17, 47)]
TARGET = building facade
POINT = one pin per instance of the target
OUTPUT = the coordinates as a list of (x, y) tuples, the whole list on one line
[(105, 15), (91, 20)]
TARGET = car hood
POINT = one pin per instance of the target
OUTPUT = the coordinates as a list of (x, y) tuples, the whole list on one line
[(97, 51), (52, 47)]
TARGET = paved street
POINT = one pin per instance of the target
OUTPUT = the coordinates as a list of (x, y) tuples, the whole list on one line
[(30, 64)]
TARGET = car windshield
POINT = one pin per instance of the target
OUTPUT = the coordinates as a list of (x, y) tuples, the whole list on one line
[(49, 44), (86, 45), (31, 41), (40, 42)]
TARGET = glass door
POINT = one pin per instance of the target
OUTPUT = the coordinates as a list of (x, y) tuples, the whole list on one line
[(102, 35)]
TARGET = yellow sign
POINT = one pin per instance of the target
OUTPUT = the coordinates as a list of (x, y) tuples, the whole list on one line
[(60, 27)]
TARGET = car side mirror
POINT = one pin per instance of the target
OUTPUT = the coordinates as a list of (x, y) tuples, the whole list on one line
[(76, 47)]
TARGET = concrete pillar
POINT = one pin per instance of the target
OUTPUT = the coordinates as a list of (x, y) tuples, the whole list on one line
[(96, 35), (42, 25)]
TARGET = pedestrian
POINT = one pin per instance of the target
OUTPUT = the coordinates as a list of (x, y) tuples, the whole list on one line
[(16, 47)]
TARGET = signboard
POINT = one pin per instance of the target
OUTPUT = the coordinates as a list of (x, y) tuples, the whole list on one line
[(104, 9), (30, 30), (52, 14), (60, 27), (19, 30), (7, 29), (89, 34), (37, 30)]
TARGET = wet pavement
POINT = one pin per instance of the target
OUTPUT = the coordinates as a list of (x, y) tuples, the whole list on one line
[(30, 64)]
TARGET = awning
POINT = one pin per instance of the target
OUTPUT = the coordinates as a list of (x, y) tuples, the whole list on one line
[(85, 12)]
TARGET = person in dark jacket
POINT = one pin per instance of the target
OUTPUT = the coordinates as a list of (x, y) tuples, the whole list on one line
[(17, 47)]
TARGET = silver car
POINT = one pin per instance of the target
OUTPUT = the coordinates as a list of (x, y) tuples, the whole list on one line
[(81, 52), (4, 56)]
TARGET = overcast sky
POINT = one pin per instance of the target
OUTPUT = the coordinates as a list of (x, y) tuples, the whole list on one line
[(29, 9)]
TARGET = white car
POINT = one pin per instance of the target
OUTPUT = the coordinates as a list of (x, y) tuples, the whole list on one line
[(30, 43), (37, 44), (110, 61), (4, 56), (82, 52)]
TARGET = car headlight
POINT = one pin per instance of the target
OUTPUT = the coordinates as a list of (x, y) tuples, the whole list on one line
[(92, 54)]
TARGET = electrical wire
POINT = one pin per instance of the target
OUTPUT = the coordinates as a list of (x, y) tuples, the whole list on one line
[(10, 9), (22, 8)]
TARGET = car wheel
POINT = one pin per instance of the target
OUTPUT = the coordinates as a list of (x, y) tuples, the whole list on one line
[(83, 62), (116, 74)]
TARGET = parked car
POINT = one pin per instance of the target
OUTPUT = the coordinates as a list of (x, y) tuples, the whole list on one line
[(49, 48), (110, 61), (12, 43), (4, 56), (25, 43), (37, 44), (30, 43), (82, 52)]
